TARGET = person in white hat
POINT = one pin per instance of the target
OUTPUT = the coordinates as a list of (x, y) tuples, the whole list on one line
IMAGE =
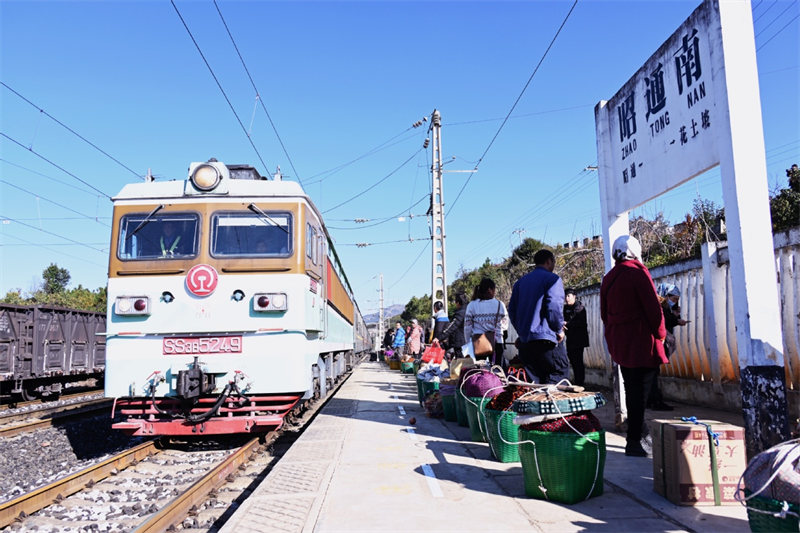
[(634, 331)]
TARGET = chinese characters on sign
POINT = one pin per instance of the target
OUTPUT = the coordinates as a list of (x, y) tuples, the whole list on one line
[(688, 83)]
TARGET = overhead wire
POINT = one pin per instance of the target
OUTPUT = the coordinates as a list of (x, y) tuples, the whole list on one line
[(219, 85), (773, 4), (497, 133), (62, 182), (762, 45), (52, 233), (47, 247), (62, 169), (81, 137), (382, 146), (385, 219), (414, 262), (365, 244), (466, 122), (390, 174), (790, 6), (53, 202), (258, 95)]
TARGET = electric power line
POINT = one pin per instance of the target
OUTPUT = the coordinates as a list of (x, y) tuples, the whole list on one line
[(258, 95), (773, 4), (403, 275), (47, 247), (53, 234), (530, 79), (385, 219), (62, 169), (762, 45), (390, 174), (219, 85), (62, 182), (54, 203), (81, 137), (790, 6)]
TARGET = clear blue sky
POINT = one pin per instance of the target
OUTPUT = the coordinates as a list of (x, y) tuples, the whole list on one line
[(339, 79)]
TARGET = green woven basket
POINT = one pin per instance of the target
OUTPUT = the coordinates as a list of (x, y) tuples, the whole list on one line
[(461, 409), (429, 387), (420, 397), (477, 427), (416, 366), (407, 368), (762, 522), (568, 466), (503, 452), (449, 408)]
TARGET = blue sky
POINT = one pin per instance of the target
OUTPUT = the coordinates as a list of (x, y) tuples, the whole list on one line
[(338, 80)]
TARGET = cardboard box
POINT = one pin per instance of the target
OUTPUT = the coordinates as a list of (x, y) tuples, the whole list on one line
[(682, 461)]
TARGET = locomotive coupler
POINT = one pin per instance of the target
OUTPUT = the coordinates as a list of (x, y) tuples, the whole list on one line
[(193, 383)]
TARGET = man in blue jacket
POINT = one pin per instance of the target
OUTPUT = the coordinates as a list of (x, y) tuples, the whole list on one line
[(537, 311), (399, 340)]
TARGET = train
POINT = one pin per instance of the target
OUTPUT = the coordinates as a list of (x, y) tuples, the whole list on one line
[(228, 306), (45, 350)]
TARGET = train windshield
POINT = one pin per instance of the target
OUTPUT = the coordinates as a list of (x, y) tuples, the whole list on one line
[(143, 236), (261, 234)]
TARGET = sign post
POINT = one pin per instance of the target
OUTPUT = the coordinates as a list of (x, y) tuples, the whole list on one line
[(694, 105)]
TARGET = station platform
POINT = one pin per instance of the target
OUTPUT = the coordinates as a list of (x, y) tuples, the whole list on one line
[(362, 466)]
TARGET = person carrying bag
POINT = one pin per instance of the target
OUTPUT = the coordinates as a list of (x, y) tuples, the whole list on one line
[(484, 320)]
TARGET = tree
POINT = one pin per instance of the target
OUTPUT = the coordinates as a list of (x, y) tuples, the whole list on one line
[(419, 308), (785, 205), (55, 279)]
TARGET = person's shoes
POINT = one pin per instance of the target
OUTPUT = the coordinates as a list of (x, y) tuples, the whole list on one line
[(635, 450), (661, 406)]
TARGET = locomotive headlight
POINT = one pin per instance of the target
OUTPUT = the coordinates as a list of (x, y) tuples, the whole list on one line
[(269, 301), (205, 177), (132, 305)]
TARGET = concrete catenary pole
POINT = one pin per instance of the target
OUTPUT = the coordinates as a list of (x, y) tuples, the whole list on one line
[(380, 313), (438, 262)]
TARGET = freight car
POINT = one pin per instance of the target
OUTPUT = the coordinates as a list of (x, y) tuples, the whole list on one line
[(227, 304), (45, 349)]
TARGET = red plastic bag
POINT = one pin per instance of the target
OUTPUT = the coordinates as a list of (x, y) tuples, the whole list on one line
[(433, 353)]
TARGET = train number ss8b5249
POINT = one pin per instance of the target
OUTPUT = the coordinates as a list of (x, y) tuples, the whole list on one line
[(202, 345)]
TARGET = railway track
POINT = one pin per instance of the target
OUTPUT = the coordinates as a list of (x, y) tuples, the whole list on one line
[(126, 492), (21, 422), (33, 403)]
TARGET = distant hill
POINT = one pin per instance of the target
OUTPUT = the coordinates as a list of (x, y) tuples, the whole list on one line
[(388, 312)]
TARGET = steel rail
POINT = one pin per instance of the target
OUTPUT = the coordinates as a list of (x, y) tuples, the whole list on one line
[(15, 405), (177, 509), (58, 414), (44, 496)]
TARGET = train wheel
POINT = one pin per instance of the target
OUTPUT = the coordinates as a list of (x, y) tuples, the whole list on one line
[(29, 394)]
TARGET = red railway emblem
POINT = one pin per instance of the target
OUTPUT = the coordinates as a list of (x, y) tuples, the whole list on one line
[(202, 280)]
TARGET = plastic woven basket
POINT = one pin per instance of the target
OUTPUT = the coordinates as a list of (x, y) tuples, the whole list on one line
[(477, 427), (407, 368), (568, 466), (503, 452), (763, 522), (461, 410), (429, 387), (449, 408), (394, 364), (420, 396)]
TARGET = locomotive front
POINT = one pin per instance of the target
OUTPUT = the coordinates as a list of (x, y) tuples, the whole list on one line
[(217, 309)]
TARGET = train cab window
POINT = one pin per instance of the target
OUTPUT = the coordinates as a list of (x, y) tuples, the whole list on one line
[(251, 235), (312, 250), (148, 237)]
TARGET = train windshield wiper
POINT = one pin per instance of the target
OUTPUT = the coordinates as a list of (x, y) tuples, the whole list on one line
[(145, 221), (254, 208)]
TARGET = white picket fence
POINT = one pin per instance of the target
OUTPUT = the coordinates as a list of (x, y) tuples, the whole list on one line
[(705, 361)]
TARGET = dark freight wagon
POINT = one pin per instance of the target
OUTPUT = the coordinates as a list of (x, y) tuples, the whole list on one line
[(45, 349)]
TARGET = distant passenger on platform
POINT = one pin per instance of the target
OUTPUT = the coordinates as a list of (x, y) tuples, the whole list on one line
[(440, 322), (672, 317), (537, 312), (399, 342), (414, 341), (454, 332), (484, 322), (634, 331), (577, 330)]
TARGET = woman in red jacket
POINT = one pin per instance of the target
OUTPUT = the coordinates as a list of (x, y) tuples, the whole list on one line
[(634, 331)]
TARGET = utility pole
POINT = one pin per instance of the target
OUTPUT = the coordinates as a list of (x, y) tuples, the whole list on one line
[(519, 232), (380, 315), (438, 262)]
